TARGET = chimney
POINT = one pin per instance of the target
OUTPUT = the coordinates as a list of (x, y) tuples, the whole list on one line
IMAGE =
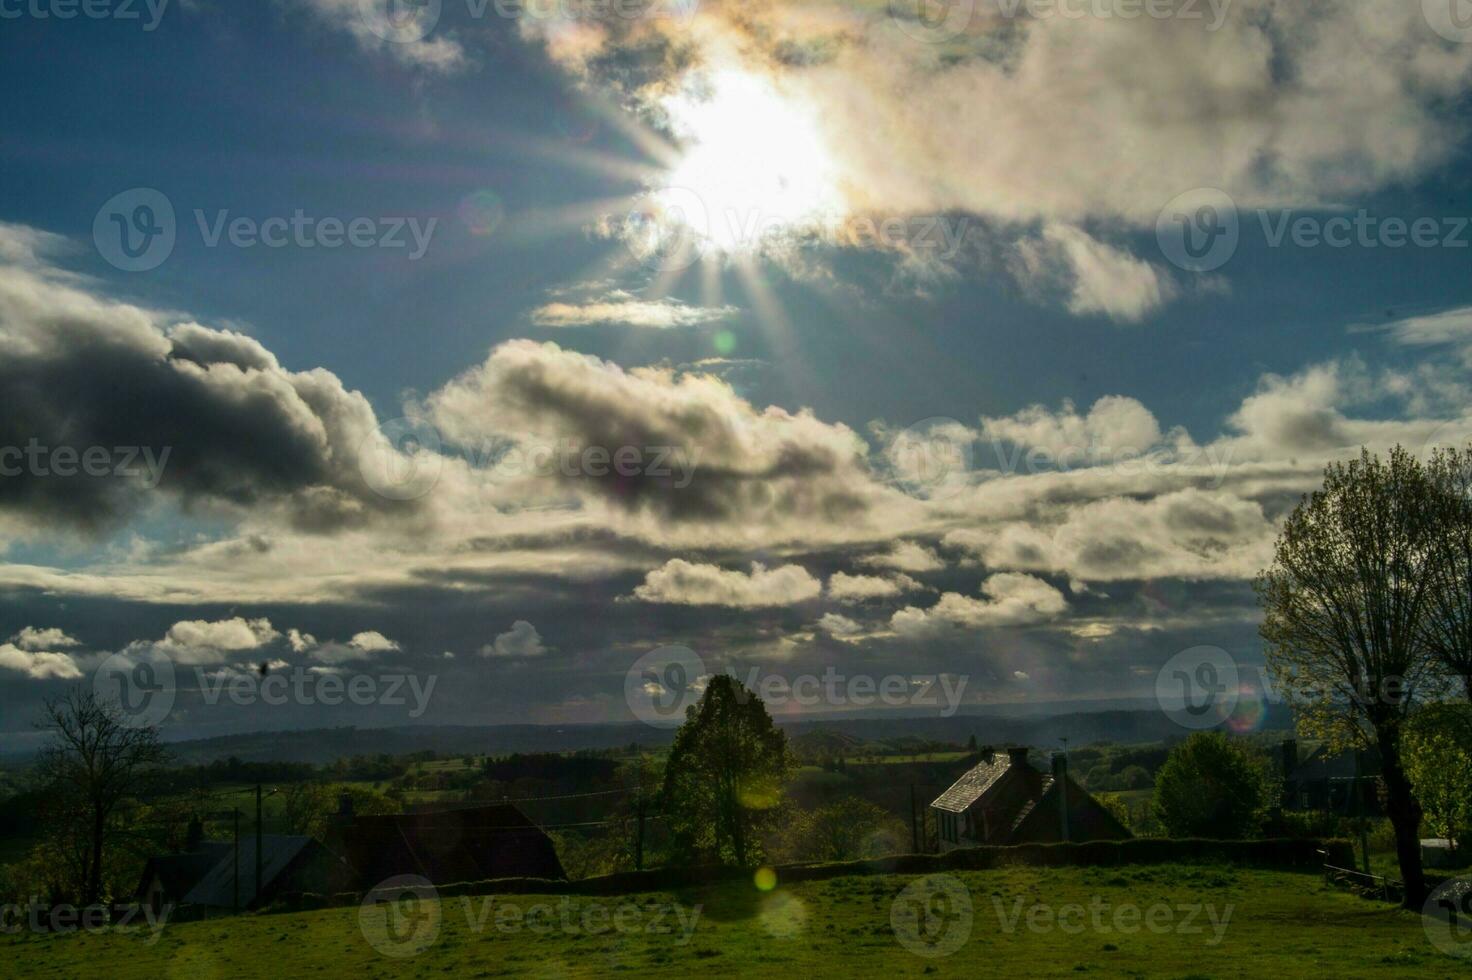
[(988, 753), (1060, 779), (194, 835), (1017, 755), (1290, 756), (345, 807)]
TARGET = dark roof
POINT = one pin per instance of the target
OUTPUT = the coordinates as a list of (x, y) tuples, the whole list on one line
[(1088, 820), (278, 853), (1322, 764), (447, 846), (178, 873), (974, 784)]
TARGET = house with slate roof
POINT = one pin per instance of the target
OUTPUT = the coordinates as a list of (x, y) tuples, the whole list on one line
[(1004, 799)]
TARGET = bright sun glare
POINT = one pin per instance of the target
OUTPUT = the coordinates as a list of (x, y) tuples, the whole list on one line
[(755, 168)]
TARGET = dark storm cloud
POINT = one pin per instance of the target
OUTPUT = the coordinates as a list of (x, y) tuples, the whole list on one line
[(212, 413)]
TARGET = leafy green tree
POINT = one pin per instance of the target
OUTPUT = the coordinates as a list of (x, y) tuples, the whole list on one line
[(1345, 604), (848, 830), (725, 775), (1448, 626), (92, 771), (1212, 787), (1438, 758)]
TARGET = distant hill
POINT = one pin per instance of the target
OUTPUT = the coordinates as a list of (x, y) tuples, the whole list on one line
[(829, 737)]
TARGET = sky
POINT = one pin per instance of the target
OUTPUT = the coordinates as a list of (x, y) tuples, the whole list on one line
[(505, 344)]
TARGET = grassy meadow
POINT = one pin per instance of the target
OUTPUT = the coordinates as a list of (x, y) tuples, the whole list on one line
[(1149, 921)]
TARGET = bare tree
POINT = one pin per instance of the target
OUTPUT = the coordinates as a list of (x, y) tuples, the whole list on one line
[(1344, 605), (95, 761), (1448, 627)]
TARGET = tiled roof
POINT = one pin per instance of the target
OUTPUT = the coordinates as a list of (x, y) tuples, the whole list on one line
[(217, 887), (974, 784)]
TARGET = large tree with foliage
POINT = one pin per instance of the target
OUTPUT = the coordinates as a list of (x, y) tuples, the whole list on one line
[(1211, 786), (1345, 604), (1448, 625), (95, 762), (725, 775), (1438, 754)]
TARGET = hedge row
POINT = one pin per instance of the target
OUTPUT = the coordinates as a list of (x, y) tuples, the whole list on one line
[(1302, 854)]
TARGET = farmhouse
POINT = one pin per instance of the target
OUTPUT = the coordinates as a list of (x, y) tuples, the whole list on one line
[(1003, 799), (470, 843), (204, 874), (1343, 782)]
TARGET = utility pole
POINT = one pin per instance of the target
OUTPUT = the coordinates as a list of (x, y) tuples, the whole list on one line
[(235, 905), (640, 803), (914, 829), (1063, 792), (258, 843)]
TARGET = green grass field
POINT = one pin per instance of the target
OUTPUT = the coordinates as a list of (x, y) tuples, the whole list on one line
[(1159, 921)]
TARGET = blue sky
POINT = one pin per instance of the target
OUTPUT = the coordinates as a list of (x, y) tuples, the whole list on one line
[(529, 143)]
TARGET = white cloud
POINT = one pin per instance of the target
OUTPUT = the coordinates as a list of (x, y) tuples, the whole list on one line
[(198, 641), (839, 627), (682, 583), (1096, 277), (1114, 426), (31, 638), (372, 641), (521, 642), (1011, 600), (844, 587), (906, 556), (38, 664), (369, 24)]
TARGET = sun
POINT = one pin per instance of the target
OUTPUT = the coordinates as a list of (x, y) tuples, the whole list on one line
[(754, 169)]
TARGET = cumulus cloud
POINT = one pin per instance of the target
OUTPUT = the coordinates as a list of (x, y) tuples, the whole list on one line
[(706, 453), (203, 416), (839, 627), (38, 664), (679, 582), (1096, 278), (31, 638), (521, 642), (906, 556), (1113, 427), (844, 587), (1010, 600)]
